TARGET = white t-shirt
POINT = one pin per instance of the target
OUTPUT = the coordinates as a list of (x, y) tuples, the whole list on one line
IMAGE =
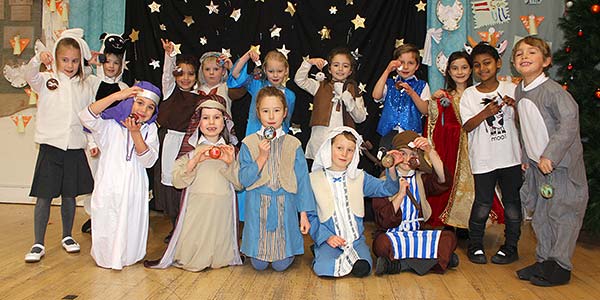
[(494, 144)]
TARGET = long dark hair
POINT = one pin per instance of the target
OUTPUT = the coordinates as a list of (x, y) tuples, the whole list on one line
[(340, 51), (450, 84)]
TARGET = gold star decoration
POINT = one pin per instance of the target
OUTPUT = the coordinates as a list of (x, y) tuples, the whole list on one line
[(399, 42), (349, 2), (226, 52), (188, 20), (255, 48), (420, 6), (236, 14), (154, 7), (325, 33), (163, 27), (362, 88), (358, 22), (134, 35), (176, 49), (290, 8), (310, 106)]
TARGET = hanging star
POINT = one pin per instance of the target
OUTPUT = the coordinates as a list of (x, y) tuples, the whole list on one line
[(255, 48), (355, 54), (263, 1), (310, 106), (226, 52), (349, 2), (305, 58), (188, 20), (236, 14), (333, 10), (422, 52), (362, 88), (358, 22), (283, 51), (176, 49), (295, 130), (155, 64), (125, 67), (134, 35), (290, 9), (163, 27), (399, 42), (154, 7), (325, 33), (212, 8), (275, 31), (420, 6), (203, 40)]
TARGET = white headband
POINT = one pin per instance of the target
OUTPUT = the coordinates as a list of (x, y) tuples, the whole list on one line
[(150, 95)]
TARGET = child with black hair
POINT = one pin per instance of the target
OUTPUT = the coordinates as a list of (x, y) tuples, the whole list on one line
[(488, 115), (337, 100), (179, 104)]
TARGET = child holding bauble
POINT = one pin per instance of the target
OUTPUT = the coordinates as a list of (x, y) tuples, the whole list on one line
[(61, 168), (549, 121), (206, 231), (337, 101), (129, 145), (274, 172), (340, 187)]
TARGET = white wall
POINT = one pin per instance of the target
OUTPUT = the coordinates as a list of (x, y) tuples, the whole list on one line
[(18, 154)]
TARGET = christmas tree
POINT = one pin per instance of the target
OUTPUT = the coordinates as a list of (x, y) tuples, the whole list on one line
[(579, 72)]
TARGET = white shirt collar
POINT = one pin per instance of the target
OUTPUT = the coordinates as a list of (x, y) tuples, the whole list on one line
[(203, 140), (535, 83)]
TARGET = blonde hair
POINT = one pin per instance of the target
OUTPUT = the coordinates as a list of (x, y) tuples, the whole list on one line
[(69, 42), (278, 56), (537, 43)]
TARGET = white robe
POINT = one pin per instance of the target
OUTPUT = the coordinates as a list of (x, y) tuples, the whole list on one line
[(120, 197)]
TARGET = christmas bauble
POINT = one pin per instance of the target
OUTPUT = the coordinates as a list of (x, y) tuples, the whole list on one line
[(547, 190), (387, 161), (597, 93), (569, 4), (270, 133), (569, 67), (580, 33), (595, 8), (214, 152), (568, 49)]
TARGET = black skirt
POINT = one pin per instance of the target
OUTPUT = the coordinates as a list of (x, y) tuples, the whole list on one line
[(61, 173)]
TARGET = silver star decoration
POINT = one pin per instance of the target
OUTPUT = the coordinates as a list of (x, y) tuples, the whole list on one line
[(305, 58), (203, 40), (155, 64), (355, 54), (362, 88), (275, 31), (212, 8), (154, 7), (163, 27), (333, 10), (283, 51), (295, 130), (349, 2), (125, 67), (226, 52), (236, 14)]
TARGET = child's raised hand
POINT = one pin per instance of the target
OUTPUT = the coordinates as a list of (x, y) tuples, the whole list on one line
[(392, 66), (128, 93), (227, 153), (439, 94), (228, 64), (491, 109), (335, 241), (407, 88), (167, 46), (318, 62), (423, 144), (509, 101), (398, 157), (131, 124), (46, 59), (253, 55), (94, 59), (304, 223)]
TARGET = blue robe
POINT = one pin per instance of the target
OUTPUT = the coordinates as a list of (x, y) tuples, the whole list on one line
[(301, 200), (253, 86), (321, 230)]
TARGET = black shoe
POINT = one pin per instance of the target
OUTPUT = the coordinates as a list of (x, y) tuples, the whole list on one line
[(528, 272), (386, 266), (361, 268), (552, 275), (168, 237), (462, 233), (505, 255), (476, 254), (87, 226), (453, 263)]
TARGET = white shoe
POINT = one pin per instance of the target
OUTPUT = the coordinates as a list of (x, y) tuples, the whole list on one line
[(73, 247), (33, 257)]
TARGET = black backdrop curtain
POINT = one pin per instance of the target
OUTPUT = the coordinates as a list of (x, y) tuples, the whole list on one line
[(385, 22)]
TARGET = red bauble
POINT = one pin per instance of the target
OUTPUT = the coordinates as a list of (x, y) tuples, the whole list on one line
[(214, 152), (569, 67), (568, 49), (597, 93), (580, 33), (595, 8), (565, 86)]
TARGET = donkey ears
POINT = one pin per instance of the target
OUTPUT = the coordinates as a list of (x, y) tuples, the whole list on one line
[(103, 36), (468, 48)]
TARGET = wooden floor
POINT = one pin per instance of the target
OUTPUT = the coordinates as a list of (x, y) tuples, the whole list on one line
[(75, 276)]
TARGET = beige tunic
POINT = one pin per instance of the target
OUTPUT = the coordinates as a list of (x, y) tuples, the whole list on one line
[(208, 236)]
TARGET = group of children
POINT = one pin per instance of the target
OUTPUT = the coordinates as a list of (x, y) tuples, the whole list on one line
[(448, 177)]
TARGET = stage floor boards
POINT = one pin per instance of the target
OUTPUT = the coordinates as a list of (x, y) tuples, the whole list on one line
[(65, 276)]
